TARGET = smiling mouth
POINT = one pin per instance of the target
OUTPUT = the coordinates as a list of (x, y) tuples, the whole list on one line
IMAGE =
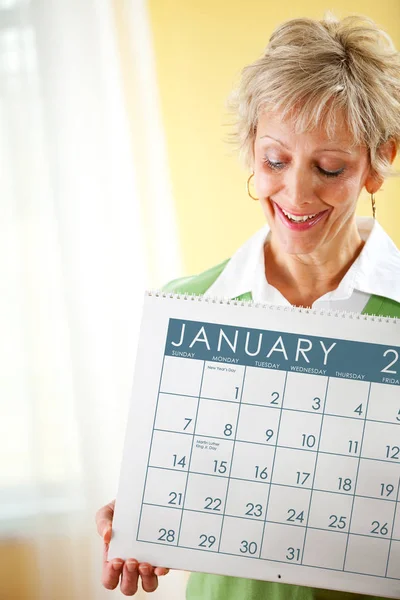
[(299, 222), (298, 218)]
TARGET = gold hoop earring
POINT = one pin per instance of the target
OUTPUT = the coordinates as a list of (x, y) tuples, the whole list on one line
[(248, 188), (373, 204)]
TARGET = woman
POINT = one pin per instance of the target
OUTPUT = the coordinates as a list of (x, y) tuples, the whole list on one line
[(318, 121)]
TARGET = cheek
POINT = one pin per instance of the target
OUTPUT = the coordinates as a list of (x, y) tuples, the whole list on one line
[(342, 195), (266, 185)]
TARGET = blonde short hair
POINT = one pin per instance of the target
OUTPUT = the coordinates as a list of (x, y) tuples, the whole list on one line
[(312, 68)]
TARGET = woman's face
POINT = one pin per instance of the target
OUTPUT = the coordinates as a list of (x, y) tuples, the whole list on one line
[(308, 184)]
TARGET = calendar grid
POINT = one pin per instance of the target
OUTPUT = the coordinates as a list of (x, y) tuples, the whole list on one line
[(356, 478), (273, 464), (309, 450), (191, 452), (232, 456), (255, 432), (393, 524), (299, 410), (151, 445), (250, 467), (315, 470), (254, 519), (274, 560), (285, 485)]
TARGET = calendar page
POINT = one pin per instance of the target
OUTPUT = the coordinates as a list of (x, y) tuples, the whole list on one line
[(264, 442)]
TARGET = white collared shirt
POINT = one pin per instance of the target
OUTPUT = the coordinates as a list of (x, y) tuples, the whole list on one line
[(375, 271)]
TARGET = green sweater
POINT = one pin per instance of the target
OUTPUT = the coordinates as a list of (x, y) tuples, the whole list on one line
[(203, 586)]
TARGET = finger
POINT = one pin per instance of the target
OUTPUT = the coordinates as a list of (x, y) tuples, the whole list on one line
[(161, 571), (111, 573), (149, 579), (104, 517), (107, 533), (130, 576)]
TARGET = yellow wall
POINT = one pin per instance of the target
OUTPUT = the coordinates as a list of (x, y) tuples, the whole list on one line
[(200, 47)]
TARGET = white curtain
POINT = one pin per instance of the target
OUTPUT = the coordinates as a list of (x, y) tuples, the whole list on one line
[(75, 253)]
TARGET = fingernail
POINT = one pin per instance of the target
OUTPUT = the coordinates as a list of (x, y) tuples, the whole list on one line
[(106, 530), (131, 565), (117, 564), (145, 570)]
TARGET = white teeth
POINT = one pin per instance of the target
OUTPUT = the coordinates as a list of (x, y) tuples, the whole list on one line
[(298, 219)]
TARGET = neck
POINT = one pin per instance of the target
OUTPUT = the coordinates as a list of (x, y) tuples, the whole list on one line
[(303, 278)]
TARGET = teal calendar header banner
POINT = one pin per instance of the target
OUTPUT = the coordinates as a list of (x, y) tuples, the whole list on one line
[(284, 351)]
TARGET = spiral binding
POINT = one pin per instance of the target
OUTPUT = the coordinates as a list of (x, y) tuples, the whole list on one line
[(273, 307)]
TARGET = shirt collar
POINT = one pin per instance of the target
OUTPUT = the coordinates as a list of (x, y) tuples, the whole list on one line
[(239, 275), (375, 271)]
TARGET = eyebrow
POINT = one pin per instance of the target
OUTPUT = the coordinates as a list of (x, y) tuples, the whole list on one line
[(319, 150)]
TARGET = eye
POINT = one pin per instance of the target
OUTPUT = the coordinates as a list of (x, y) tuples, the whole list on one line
[(276, 165), (279, 165), (330, 173)]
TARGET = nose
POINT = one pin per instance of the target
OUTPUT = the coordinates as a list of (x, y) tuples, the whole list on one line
[(298, 187)]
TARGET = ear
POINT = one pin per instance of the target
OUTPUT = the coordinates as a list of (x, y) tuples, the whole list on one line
[(374, 181)]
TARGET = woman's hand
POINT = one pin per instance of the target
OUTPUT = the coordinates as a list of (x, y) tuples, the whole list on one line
[(128, 571)]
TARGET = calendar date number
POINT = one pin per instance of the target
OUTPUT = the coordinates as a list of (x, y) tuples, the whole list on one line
[(337, 522), (248, 547), (167, 535), (393, 452), (293, 554), (387, 489), (393, 356), (213, 504), (207, 541), (179, 461), (254, 510), (379, 529), (175, 498)]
